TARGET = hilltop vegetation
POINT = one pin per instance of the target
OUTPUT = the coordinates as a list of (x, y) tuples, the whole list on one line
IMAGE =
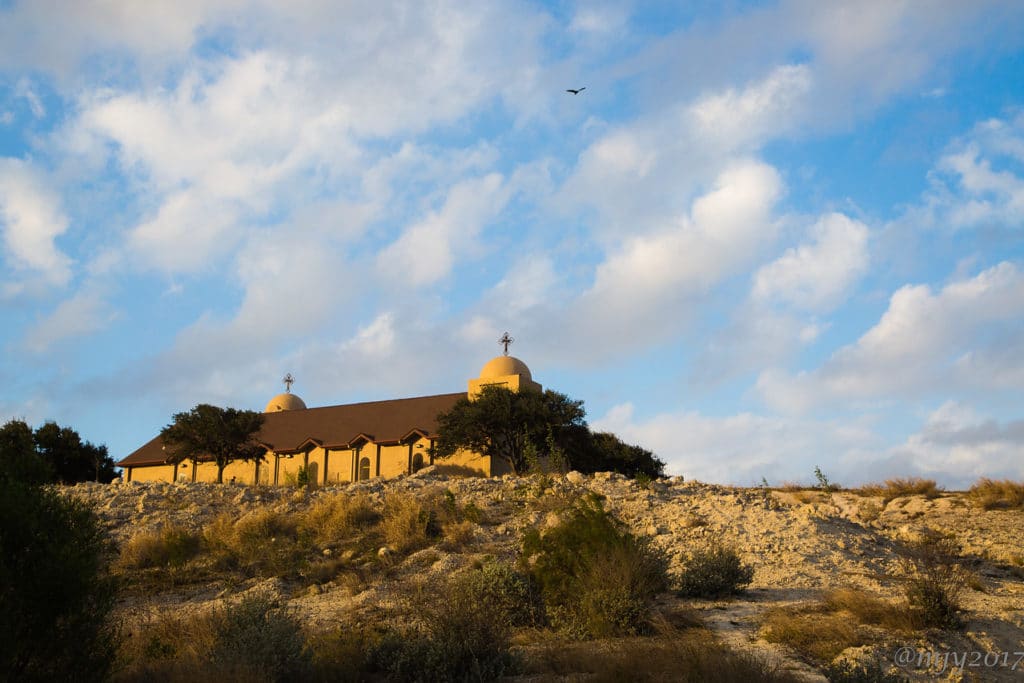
[(554, 576)]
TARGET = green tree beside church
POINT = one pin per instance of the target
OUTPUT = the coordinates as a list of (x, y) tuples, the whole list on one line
[(520, 426)]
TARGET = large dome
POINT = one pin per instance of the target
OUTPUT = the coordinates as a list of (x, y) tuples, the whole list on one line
[(503, 366), (284, 402)]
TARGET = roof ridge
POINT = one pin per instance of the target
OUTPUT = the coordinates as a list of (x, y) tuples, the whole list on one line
[(366, 403)]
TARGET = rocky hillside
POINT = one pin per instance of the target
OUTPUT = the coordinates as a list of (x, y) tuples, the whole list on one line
[(802, 544)]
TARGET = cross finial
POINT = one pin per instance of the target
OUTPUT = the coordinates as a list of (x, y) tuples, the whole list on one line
[(506, 340), (288, 381)]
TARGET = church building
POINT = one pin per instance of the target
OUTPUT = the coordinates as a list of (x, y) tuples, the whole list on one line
[(342, 443)]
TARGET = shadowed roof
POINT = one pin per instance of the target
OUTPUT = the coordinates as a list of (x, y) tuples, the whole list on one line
[(333, 426)]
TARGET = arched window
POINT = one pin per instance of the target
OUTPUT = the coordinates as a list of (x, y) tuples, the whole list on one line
[(417, 462), (364, 468)]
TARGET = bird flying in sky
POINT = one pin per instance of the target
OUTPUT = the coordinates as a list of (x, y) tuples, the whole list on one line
[(577, 91)]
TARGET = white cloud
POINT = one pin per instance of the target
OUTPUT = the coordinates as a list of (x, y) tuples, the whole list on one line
[(25, 90), (816, 276), (651, 280), (426, 252), (527, 284), (375, 340), (988, 192), (84, 313), (958, 445), (187, 231), (57, 36), (32, 219), (765, 108), (640, 176), (923, 341), (741, 448)]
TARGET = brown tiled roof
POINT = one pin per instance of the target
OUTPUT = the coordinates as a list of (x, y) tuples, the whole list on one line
[(334, 426)]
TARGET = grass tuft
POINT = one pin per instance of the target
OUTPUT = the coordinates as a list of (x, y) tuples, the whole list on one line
[(997, 495), (411, 521), (822, 630), (169, 546), (896, 488), (692, 657)]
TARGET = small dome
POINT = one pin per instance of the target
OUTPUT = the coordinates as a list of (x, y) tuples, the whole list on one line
[(284, 402), (503, 366)]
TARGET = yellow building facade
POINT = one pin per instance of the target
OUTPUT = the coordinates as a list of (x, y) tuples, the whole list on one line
[(343, 443)]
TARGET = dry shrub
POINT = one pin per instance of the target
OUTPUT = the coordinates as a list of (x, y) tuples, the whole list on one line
[(692, 520), (265, 542), (458, 534), (342, 654), (997, 495), (457, 634), (873, 671), (334, 518), (258, 641), (897, 488), (822, 630), (806, 496), (935, 580), (170, 546), (168, 647), (813, 632), (868, 609), (869, 511), (252, 640), (693, 657), (411, 522)]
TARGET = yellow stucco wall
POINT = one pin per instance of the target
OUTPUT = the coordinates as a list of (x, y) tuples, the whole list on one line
[(510, 382), (465, 463), (394, 460), (339, 466), (152, 473)]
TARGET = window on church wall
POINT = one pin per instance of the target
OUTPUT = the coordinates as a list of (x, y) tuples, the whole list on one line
[(364, 468), (417, 462)]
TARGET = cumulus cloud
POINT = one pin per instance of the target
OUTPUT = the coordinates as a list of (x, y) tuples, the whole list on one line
[(773, 105), (639, 176), (645, 283), (741, 448), (988, 191), (32, 219), (426, 251), (917, 345), (959, 445), (816, 276)]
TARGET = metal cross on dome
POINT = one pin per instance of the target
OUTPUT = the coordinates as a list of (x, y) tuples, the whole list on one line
[(288, 381), (506, 340)]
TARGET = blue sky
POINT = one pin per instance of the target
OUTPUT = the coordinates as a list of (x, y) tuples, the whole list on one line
[(766, 237)]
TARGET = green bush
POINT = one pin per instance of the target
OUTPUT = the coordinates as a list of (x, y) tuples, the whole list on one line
[(714, 571), (596, 578), (55, 593), (257, 640), (455, 637), (512, 596)]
